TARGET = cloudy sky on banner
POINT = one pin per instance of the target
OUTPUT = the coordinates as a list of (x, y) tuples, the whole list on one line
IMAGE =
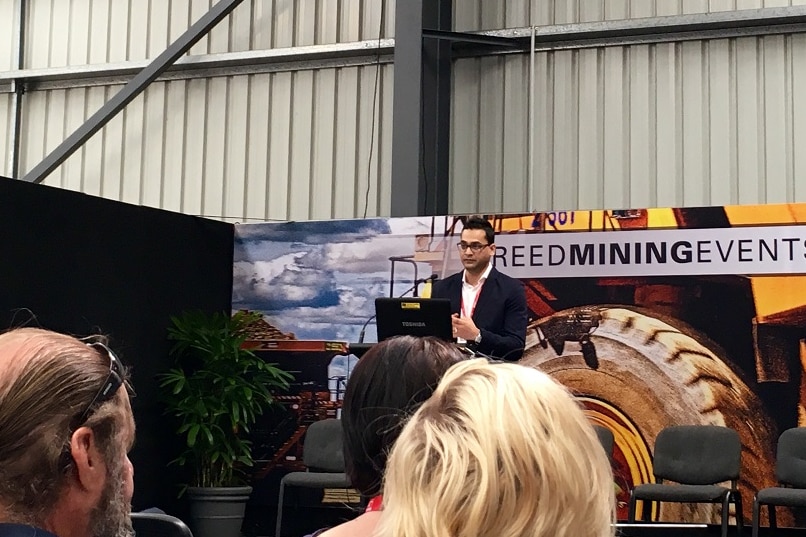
[(319, 279)]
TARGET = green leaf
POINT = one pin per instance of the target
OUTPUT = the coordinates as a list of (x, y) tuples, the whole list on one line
[(194, 431), (215, 389)]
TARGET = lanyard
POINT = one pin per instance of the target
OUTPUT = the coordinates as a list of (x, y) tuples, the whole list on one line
[(475, 301), (375, 504)]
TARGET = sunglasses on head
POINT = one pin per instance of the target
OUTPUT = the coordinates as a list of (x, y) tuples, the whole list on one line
[(113, 382)]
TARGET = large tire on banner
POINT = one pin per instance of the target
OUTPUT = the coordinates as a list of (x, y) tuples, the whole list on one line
[(655, 374)]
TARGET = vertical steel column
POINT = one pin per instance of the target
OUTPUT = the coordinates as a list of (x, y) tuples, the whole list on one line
[(18, 88), (421, 111), (131, 90)]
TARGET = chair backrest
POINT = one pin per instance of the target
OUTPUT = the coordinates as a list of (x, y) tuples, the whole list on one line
[(697, 454), (790, 464), (606, 438), (159, 525), (323, 447)]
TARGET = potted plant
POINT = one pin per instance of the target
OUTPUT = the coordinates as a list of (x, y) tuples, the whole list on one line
[(217, 389)]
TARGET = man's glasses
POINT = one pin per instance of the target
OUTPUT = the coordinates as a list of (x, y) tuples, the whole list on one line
[(475, 246), (112, 383)]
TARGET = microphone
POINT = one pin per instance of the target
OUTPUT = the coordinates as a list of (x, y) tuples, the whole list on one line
[(364, 329), (417, 282)]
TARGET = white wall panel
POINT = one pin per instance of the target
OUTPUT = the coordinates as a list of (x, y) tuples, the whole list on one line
[(676, 124), (777, 119), (294, 145), (491, 129), (513, 186), (798, 74), (494, 14), (670, 124), (6, 132), (616, 133), (465, 117), (78, 32), (7, 35)]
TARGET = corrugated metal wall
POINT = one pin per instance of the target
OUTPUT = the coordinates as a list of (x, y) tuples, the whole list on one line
[(5, 128), (274, 146), (8, 62), (292, 145), (673, 124), (696, 123), (78, 32), (7, 34)]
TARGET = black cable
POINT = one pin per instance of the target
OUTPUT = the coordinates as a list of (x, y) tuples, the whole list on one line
[(374, 103)]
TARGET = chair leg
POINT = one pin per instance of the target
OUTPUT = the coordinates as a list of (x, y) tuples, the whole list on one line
[(737, 501), (631, 513), (773, 521), (756, 516), (278, 525), (725, 514), (646, 511)]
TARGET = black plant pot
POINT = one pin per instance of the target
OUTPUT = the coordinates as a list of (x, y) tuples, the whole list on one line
[(217, 512)]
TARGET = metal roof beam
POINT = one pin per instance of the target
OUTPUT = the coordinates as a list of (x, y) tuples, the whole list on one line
[(220, 64), (693, 27)]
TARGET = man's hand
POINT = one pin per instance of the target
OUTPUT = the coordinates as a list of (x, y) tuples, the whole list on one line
[(464, 327)]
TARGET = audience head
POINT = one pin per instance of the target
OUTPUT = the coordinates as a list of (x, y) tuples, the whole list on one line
[(66, 426), (499, 450), (386, 385)]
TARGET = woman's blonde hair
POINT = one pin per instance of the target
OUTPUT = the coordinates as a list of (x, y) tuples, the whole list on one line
[(499, 450)]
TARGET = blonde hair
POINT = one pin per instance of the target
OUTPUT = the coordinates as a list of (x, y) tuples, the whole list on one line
[(499, 450)]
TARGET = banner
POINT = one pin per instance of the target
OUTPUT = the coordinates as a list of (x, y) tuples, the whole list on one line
[(651, 317), (696, 252)]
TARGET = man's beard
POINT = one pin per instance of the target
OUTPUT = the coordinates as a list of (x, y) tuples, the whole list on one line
[(111, 517)]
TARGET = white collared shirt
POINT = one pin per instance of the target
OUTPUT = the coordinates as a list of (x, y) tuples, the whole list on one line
[(470, 294)]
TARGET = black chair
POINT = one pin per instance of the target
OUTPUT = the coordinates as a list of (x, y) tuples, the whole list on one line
[(323, 455), (696, 458), (607, 440), (790, 469), (159, 525)]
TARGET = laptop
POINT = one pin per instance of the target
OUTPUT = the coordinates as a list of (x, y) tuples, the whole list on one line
[(413, 317)]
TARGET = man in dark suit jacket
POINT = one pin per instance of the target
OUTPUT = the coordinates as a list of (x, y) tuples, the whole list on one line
[(489, 308)]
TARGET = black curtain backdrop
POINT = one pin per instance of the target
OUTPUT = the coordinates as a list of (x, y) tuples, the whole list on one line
[(81, 265)]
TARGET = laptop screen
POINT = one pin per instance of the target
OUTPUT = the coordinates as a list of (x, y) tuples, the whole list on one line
[(413, 317)]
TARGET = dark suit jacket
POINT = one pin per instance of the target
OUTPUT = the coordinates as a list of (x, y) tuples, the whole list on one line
[(500, 312)]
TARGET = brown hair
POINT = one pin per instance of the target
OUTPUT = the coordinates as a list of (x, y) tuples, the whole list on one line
[(46, 384), (477, 222), (390, 381)]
